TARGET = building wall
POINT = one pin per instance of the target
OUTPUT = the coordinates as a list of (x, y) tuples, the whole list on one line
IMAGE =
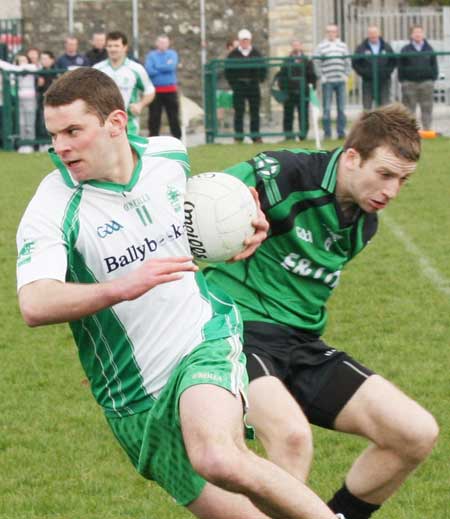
[(10, 9), (288, 20), (46, 25)]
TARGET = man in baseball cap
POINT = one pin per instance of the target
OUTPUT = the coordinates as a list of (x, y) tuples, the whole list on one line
[(244, 34), (244, 81)]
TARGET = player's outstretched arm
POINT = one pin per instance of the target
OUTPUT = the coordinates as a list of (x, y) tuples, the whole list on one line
[(48, 301), (261, 226)]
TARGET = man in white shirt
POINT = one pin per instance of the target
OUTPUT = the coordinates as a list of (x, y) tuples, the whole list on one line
[(102, 246), (131, 78)]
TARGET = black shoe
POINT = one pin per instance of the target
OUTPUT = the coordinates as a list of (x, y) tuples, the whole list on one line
[(257, 140)]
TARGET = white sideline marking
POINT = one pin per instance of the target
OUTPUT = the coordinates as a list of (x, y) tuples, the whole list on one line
[(438, 280)]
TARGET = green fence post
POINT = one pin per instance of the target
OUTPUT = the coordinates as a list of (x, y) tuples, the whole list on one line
[(376, 79), (7, 123), (208, 94)]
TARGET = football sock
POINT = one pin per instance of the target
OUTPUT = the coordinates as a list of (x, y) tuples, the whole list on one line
[(350, 506)]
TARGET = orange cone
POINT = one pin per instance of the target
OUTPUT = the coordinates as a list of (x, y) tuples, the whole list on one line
[(428, 134)]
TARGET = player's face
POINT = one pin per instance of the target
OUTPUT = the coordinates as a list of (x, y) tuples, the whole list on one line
[(80, 140), (116, 50), (378, 180)]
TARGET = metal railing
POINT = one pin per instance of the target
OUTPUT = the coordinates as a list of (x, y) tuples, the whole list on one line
[(219, 107)]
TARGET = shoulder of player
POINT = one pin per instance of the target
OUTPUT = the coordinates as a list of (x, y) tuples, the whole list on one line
[(305, 167), (156, 145), (101, 64), (167, 148), (134, 65), (52, 196)]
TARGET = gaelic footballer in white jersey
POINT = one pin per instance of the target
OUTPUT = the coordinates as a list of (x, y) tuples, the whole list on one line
[(97, 231), (132, 80)]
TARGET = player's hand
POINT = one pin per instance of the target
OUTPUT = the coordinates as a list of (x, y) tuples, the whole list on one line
[(136, 108), (152, 273), (261, 226)]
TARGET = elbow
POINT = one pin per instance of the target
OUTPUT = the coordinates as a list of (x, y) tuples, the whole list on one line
[(33, 311), (31, 316)]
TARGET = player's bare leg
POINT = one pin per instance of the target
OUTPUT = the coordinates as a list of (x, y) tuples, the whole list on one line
[(402, 432), (211, 421), (281, 426)]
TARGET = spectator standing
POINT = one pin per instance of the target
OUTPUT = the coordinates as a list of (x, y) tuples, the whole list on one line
[(224, 96), (374, 45), (333, 71), (71, 58), (245, 81), (417, 72), (98, 51), (47, 63), (131, 78), (161, 65), (294, 78)]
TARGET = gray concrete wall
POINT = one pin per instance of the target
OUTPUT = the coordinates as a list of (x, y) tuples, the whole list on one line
[(46, 25)]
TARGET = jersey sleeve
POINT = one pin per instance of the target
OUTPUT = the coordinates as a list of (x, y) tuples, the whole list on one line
[(145, 84), (243, 171), (42, 250)]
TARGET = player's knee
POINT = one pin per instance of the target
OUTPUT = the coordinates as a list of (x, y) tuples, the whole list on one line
[(296, 441), (419, 438), (219, 466)]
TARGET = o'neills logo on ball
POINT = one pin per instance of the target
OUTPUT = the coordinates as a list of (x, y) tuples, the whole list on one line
[(196, 245)]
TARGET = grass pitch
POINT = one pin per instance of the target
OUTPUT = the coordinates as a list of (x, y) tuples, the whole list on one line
[(391, 311)]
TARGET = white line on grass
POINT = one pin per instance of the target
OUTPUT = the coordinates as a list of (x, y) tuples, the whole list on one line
[(438, 280)]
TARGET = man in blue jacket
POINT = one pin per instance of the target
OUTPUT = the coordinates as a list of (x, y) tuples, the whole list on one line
[(417, 72), (375, 72), (161, 65)]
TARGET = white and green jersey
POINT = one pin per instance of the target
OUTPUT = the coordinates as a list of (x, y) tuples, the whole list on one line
[(133, 81), (95, 232)]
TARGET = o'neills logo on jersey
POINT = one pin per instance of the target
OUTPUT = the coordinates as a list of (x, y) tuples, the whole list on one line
[(136, 202), (142, 252), (195, 243)]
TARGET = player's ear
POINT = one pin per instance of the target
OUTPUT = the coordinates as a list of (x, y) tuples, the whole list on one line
[(117, 122), (352, 159)]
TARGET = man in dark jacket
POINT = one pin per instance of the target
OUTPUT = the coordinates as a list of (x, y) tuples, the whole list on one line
[(417, 71), (375, 72), (244, 81), (294, 79), (71, 59), (98, 51)]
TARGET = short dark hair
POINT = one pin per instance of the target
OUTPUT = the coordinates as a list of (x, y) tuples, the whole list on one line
[(49, 53), (393, 126), (96, 89), (117, 35)]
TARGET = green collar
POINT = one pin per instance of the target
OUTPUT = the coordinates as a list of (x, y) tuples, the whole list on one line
[(138, 144), (329, 179)]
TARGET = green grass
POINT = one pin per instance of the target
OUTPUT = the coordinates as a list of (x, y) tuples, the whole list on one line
[(59, 460)]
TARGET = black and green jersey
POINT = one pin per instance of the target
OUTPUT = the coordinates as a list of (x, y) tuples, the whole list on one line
[(290, 277)]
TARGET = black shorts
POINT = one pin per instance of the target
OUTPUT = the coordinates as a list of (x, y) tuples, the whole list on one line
[(320, 378)]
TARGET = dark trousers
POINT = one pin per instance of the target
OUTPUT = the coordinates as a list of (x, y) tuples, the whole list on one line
[(294, 103), (384, 93), (253, 96), (168, 101)]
